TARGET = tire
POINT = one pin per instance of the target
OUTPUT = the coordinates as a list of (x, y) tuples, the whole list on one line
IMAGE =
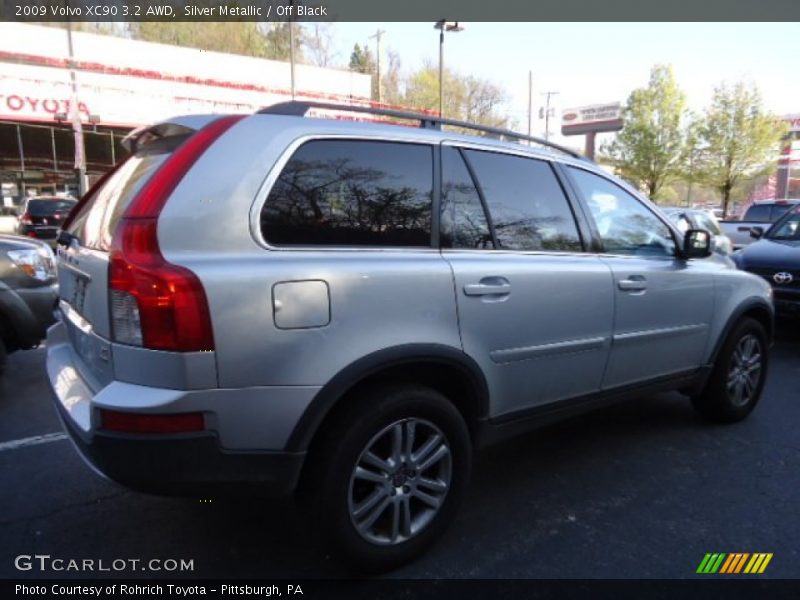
[(343, 504), (3, 356), (734, 386)]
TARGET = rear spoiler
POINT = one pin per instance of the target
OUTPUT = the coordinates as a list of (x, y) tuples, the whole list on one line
[(163, 129)]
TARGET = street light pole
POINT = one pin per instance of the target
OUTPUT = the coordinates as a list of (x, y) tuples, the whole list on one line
[(443, 26), (291, 53), (75, 117)]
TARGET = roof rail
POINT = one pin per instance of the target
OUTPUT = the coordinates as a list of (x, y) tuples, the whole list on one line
[(299, 108)]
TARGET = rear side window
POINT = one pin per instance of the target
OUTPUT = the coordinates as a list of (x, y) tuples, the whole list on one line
[(95, 224), (528, 208), (352, 193), (463, 221)]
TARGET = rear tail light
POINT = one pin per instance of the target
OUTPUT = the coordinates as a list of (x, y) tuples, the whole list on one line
[(112, 420), (155, 304), (32, 233), (25, 219)]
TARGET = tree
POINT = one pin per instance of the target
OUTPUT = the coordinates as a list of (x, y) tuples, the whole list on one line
[(318, 42), (466, 98), (233, 37), (739, 138), (648, 150), (278, 41), (392, 89), (361, 60)]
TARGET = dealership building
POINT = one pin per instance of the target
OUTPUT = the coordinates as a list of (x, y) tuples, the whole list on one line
[(121, 84)]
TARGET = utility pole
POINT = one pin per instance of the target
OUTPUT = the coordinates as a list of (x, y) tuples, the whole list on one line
[(547, 114), (377, 37), (75, 117), (291, 52)]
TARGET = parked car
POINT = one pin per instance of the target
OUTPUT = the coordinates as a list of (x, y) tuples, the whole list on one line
[(42, 216), (28, 293), (776, 258), (762, 213), (691, 218), (347, 310)]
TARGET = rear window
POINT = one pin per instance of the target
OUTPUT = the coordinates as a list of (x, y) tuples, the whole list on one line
[(46, 208), (352, 193), (95, 224), (758, 213)]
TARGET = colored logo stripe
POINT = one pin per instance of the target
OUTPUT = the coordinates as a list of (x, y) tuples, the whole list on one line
[(734, 562), (710, 563)]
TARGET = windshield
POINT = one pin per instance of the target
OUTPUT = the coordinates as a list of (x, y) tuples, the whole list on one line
[(46, 208), (788, 228)]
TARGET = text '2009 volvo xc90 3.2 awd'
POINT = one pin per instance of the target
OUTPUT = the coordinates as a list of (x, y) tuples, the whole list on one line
[(347, 310)]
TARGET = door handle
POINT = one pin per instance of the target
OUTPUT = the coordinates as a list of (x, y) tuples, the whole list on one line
[(488, 286), (636, 283)]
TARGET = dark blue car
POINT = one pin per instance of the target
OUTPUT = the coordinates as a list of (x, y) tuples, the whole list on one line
[(776, 258)]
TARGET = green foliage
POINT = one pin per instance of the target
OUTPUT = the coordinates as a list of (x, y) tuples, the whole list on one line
[(649, 149), (739, 139), (362, 60), (465, 97)]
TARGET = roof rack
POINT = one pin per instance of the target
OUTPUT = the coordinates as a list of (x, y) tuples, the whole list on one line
[(299, 108)]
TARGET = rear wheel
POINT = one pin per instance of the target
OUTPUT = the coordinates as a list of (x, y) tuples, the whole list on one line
[(737, 378), (385, 481)]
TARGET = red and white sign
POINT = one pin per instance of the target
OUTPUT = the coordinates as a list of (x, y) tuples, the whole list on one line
[(130, 83), (593, 118)]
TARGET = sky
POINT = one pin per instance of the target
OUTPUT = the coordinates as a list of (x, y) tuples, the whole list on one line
[(589, 63)]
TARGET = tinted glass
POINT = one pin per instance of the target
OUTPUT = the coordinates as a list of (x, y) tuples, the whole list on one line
[(528, 208), (778, 210), (626, 226), (352, 193), (757, 212), (45, 208), (788, 228), (463, 222)]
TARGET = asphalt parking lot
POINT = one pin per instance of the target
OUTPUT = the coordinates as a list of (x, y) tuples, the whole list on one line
[(640, 490)]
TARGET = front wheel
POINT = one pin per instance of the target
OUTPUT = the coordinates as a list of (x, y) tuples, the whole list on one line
[(737, 378), (387, 478)]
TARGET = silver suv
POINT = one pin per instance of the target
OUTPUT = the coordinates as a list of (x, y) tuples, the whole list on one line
[(347, 310)]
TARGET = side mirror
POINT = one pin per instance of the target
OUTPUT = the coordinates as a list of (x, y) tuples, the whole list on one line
[(756, 232), (696, 244)]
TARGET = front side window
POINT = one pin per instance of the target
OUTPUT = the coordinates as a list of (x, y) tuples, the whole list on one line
[(626, 226), (352, 193), (528, 208)]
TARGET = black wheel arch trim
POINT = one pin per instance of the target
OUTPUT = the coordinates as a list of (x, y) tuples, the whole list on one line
[(371, 364), (736, 316)]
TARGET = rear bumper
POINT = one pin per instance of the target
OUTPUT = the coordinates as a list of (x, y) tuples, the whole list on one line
[(185, 465), (242, 449)]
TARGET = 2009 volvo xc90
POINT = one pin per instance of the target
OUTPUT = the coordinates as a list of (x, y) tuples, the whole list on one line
[(348, 309)]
